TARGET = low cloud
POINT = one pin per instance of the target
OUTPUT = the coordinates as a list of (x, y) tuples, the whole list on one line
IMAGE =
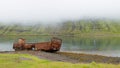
[(51, 11)]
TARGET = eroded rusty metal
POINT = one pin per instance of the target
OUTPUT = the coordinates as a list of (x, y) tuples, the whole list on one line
[(51, 46)]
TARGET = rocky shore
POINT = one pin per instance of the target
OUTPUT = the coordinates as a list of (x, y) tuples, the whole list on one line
[(69, 57)]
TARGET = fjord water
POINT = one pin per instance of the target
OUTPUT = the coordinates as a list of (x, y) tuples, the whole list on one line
[(108, 46)]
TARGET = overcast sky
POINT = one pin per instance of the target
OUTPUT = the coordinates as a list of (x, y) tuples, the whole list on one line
[(57, 10)]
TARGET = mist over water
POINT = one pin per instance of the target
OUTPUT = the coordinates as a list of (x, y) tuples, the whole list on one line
[(63, 17), (52, 11)]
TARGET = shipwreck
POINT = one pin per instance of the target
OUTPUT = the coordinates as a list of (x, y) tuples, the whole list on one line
[(52, 46)]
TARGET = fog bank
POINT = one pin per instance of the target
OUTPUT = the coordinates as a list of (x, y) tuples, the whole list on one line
[(52, 11)]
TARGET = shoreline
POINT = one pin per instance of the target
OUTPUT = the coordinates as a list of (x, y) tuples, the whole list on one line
[(77, 35), (100, 53), (75, 52), (68, 57)]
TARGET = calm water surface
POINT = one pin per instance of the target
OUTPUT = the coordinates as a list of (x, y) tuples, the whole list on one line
[(108, 46)]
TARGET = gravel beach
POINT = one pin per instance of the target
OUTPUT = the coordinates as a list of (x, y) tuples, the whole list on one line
[(68, 57)]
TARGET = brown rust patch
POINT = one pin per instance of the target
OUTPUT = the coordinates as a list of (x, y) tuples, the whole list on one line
[(51, 46)]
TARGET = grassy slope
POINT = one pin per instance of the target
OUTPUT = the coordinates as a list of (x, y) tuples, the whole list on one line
[(76, 28), (28, 61)]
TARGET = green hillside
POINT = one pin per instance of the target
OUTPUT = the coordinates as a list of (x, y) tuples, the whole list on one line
[(79, 27)]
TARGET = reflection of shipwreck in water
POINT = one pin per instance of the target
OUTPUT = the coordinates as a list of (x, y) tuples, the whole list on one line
[(52, 46)]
